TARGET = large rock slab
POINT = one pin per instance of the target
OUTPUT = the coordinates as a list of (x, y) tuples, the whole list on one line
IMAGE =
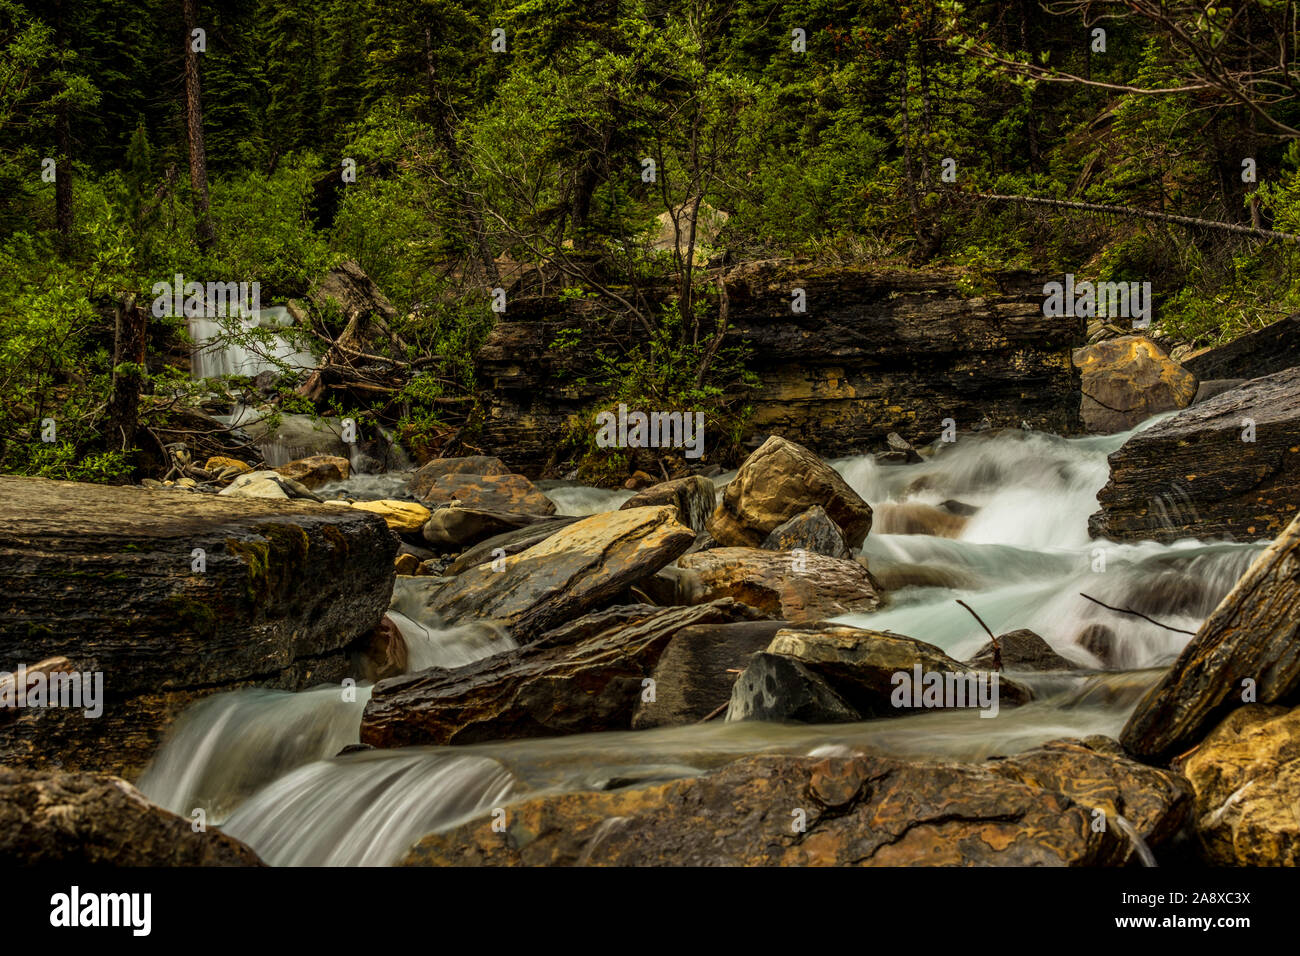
[(1250, 643), (876, 352), (778, 481), (580, 567), (107, 577), (1194, 475), (77, 819), (585, 677), (865, 810), (785, 584), (694, 497), (1271, 349), (1128, 379), (509, 542), (451, 529), (1246, 776)]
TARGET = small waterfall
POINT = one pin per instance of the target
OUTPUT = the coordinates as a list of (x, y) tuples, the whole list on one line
[(226, 747), (449, 647), (583, 500), (215, 355), (367, 808)]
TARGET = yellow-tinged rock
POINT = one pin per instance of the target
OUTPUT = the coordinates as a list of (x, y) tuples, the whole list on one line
[(219, 463), (404, 517)]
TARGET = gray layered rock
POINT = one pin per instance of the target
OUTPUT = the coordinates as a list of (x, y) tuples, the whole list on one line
[(1266, 351), (172, 597), (694, 497), (1227, 467), (876, 351), (812, 530)]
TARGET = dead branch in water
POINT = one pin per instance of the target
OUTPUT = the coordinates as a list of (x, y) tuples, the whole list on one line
[(997, 646), (1125, 610)]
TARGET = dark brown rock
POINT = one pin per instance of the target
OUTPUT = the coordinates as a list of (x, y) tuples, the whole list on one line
[(1194, 475), (877, 351), (508, 543), (78, 819), (1253, 635), (778, 688), (586, 678), (1022, 650), (451, 529), (694, 497), (104, 576), (1264, 352), (431, 471), (794, 587), (812, 530), (489, 493), (697, 669)]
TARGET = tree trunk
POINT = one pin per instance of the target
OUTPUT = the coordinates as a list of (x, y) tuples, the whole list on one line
[(194, 127), (128, 374)]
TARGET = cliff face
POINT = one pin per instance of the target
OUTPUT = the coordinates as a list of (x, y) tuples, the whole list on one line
[(874, 352)]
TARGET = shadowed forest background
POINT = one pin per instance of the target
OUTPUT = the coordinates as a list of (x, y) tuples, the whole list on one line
[(527, 168)]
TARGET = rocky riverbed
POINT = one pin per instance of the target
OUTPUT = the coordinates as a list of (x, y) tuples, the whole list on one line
[(1003, 646)]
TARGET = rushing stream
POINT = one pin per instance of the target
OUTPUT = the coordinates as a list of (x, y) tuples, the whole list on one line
[(264, 764)]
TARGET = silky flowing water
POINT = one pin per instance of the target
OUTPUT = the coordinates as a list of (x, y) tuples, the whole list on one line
[(265, 764)]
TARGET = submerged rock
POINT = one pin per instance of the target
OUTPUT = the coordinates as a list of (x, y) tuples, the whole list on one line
[(777, 482), (1229, 467), (785, 584), (585, 677), (174, 597), (1248, 650), (866, 810), (694, 497), (79, 819), (1127, 380), (576, 569), (1022, 650), (1246, 776)]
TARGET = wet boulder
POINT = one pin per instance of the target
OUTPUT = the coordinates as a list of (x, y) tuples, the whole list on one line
[(811, 530), (580, 567), (432, 471), (509, 542), (1227, 467), (489, 493), (403, 517), (1248, 650), (779, 688), (876, 674), (697, 669), (778, 481), (1021, 650), (90, 819), (794, 586), (694, 497), (1127, 380), (317, 470)]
